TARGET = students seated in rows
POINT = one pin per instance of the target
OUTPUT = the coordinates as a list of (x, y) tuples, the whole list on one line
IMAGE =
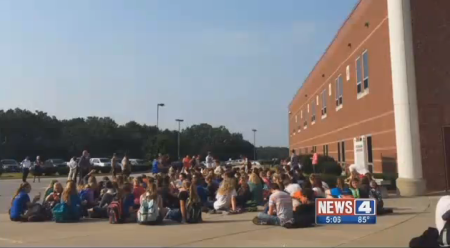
[(280, 209), (356, 192), (256, 186), (138, 190), (151, 209), (341, 190), (243, 193), (69, 210), (49, 188), (190, 210), (127, 199), (55, 197), (226, 196), (21, 202)]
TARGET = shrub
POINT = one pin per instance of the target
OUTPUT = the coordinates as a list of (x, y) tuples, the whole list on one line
[(325, 165)]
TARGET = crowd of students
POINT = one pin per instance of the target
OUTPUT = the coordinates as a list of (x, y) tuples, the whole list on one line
[(285, 194)]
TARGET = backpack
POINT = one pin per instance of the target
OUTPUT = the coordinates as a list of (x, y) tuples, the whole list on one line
[(148, 212), (115, 212), (36, 213), (194, 212), (62, 213), (428, 239)]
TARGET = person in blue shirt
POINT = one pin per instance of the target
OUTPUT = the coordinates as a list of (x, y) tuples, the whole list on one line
[(129, 211), (341, 189), (155, 167), (21, 202)]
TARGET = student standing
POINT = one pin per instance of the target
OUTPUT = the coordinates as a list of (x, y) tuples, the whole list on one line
[(37, 169), (83, 166), (72, 169), (26, 165)]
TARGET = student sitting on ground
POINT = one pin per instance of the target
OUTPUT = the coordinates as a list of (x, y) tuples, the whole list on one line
[(243, 193), (151, 209), (304, 214), (87, 198), (341, 190), (69, 210), (100, 211), (376, 194), (55, 197), (21, 202), (92, 181), (138, 190), (226, 196), (49, 188), (129, 210), (211, 187), (318, 187), (356, 192), (364, 187), (280, 209), (190, 210), (256, 186)]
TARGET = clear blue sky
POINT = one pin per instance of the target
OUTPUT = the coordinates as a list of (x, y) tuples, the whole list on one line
[(236, 63)]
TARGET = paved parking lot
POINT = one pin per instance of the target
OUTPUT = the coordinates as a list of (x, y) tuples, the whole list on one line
[(412, 216)]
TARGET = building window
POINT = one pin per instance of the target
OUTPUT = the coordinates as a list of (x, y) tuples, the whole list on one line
[(358, 75), (341, 151), (362, 73), (305, 123), (301, 114), (365, 57), (306, 150), (299, 128), (369, 150), (313, 112), (325, 150), (314, 149), (295, 118), (324, 103), (339, 91)]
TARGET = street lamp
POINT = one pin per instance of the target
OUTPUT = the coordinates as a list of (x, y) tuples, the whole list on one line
[(254, 143), (179, 125), (157, 113)]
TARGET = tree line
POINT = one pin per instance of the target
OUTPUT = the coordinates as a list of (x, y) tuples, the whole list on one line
[(25, 133)]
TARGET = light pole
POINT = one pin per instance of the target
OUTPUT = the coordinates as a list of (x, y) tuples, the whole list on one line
[(179, 125), (157, 113), (254, 143)]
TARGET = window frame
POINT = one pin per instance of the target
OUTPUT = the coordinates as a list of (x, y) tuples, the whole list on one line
[(339, 95), (313, 111), (359, 76), (324, 103), (365, 77)]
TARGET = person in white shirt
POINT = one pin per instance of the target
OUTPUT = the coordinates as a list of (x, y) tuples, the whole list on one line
[(73, 169), (26, 166), (442, 212), (209, 161)]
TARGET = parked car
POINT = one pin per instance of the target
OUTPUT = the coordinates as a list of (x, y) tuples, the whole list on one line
[(53, 166), (101, 164), (10, 165), (138, 164)]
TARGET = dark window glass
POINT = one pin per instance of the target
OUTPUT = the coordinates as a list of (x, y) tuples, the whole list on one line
[(369, 150)]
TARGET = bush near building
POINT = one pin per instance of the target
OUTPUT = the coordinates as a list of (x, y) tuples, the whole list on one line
[(325, 165)]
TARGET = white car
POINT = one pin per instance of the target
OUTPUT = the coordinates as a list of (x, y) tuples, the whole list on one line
[(104, 164), (137, 162)]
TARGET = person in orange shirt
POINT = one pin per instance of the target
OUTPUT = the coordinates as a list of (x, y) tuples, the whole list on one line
[(187, 163)]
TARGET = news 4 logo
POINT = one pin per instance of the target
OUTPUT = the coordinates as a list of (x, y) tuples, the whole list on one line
[(365, 207), (346, 211)]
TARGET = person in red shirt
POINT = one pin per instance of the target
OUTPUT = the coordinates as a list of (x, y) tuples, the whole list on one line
[(186, 163)]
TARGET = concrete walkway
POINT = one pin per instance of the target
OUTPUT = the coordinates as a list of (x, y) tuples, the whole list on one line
[(412, 216)]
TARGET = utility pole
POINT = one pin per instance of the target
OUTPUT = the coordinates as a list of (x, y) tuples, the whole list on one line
[(254, 143), (179, 130), (157, 113)]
